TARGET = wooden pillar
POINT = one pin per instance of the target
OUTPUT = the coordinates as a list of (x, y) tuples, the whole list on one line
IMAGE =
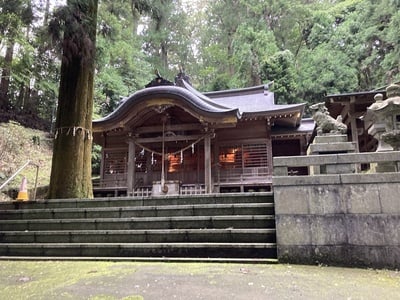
[(148, 179), (354, 132), (269, 148), (131, 176), (353, 123), (302, 143), (217, 171), (103, 158), (207, 164)]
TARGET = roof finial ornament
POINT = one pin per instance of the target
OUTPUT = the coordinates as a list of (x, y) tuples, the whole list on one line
[(159, 80), (182, 77)]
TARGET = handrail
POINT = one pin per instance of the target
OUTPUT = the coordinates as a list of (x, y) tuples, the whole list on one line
[(19, 171)]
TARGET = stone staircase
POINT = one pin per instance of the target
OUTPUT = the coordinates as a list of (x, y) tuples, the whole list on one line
[(236, 226)]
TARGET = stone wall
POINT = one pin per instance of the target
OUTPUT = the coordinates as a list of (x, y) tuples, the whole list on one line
[(338, 219)]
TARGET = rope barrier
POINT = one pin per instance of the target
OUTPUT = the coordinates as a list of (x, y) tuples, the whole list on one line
[(74, 130), (191, 145)]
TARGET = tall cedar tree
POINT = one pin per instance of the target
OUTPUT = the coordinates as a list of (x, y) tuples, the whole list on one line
[(71, 168)]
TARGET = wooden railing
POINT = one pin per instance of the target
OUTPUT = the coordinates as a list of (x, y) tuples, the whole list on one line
[(111, 180), (255, 174), (142, 192), (192, 189), (146, 191)]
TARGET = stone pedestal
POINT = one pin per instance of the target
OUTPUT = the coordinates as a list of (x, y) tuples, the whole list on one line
[(385, 117), (171, 187), (332, 144), (376, 130)]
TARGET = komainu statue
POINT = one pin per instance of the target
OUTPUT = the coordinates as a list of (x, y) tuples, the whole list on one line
[(325, 123)]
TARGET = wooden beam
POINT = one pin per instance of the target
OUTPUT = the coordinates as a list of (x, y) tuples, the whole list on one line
[(345, 113), (175, 138), (177, 127)]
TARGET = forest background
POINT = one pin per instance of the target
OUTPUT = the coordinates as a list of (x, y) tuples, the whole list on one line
[(306, 48)]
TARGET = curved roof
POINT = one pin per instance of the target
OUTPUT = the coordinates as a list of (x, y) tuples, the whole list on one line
[(158, 96), (217, 108)]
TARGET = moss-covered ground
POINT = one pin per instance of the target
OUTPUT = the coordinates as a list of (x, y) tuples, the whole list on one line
[(139, 280)]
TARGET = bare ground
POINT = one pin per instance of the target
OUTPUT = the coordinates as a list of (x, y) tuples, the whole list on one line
[(162, 280)]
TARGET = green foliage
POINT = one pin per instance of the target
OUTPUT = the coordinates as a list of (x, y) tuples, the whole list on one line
[(325, 72), (96, 159), (391, 63), (216, 45), (121, 66), (211, 74), (308, 48), (280, 69), (348, 48), (320, 30), (251, 48), (367, 34), (33, 74), (13, 16), (167, 36)]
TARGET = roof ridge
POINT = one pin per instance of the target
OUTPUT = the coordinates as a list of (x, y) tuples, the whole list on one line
[(264, 87)]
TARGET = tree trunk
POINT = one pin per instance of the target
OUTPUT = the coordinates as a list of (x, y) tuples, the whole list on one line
[(29, 99), (5, 77), (255, 71), (46, 13), (71, 169), (164, 55), (20, 100)]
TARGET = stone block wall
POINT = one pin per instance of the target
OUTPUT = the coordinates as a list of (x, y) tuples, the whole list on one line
[(339, 219)]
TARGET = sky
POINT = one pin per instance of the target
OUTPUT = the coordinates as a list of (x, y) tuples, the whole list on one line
[(58, 2)]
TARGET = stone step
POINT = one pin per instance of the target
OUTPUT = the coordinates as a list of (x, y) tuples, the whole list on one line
[(237, 226), (228, 235), (129, 201), (233, 250), (188, 222), (144, 211)]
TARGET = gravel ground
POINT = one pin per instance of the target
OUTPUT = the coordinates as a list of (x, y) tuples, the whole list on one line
[(168, 280)]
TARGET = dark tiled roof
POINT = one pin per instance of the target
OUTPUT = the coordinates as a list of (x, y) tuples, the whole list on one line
[(256, 100), (244, 103), (307, 125)]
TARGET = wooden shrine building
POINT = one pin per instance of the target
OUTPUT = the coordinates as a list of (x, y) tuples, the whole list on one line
[(168, 138)]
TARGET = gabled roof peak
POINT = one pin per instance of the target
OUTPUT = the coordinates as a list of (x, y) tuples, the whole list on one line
[(181, 79)]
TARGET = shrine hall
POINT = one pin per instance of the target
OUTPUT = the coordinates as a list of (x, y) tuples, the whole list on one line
[(170, 139)]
